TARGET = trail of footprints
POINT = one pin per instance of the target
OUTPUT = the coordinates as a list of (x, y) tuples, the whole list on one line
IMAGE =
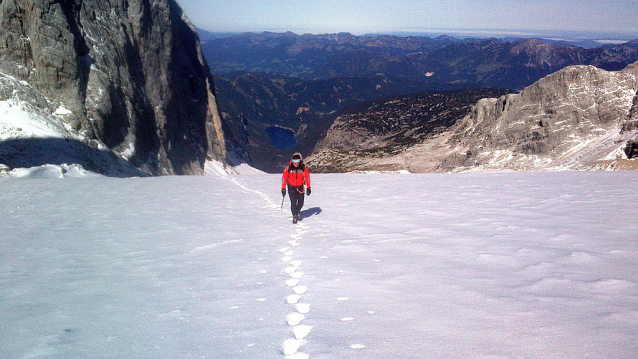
[(291, 346)]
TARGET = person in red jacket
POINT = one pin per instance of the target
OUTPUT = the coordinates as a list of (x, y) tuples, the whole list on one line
[(296, 178)]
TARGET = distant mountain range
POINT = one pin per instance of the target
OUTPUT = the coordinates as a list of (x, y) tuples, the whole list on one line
[(443, 60)]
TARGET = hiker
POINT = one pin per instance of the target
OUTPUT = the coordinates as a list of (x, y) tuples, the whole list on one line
[(296, 176)]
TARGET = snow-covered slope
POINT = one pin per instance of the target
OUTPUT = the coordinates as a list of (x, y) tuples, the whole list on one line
[(515, 265), (20, 117)]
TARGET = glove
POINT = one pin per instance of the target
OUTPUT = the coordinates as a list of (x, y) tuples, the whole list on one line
[(308, 191), (283, 192)]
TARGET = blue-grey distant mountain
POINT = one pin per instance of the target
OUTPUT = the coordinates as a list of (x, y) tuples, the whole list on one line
[(443, 60)]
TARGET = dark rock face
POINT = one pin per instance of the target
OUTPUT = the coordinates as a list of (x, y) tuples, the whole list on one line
[(632, 149), (130, 72)]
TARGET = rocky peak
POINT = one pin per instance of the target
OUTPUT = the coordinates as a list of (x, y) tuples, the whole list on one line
[(580, 117), (572, 119), (130, 73)]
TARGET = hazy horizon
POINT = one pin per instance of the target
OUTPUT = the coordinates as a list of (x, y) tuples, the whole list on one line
[(557, 35), (591, 19)]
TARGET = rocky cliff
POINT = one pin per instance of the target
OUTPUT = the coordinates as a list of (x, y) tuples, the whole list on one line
[(580, 117), (127, 77)]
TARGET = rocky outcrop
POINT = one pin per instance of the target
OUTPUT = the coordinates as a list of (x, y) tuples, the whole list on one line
[(572, 119), (580, 117), (128, 74), (631, 125), (387, 127)]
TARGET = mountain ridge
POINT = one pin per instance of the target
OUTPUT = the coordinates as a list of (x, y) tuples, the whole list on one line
[(489, 63), (580, 117)]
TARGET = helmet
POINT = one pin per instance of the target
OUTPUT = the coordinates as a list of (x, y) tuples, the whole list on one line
[(297, 156)]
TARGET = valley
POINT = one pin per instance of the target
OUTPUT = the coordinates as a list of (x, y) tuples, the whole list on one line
[(301, 84)]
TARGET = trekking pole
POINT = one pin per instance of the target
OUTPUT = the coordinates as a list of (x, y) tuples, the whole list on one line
[(282, 202)]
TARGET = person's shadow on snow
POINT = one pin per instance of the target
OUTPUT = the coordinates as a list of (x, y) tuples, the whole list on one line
[(310, 212)]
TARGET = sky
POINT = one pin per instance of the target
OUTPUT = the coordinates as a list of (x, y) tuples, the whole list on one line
[(384, 16)]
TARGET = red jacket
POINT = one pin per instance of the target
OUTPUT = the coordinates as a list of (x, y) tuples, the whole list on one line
[(295, 176)]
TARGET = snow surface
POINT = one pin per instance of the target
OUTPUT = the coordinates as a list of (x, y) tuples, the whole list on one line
[(501, 265), (20, 120)]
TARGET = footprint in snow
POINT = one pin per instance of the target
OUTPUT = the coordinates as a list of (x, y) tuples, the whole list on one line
[(300, 289), (298, 355), (301, 331), (177, 313), (291, 346), (294, 318), (303, 308)]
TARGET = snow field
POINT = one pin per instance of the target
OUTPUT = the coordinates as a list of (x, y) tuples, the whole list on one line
[(290, 347), (138, 268), (511, 265)]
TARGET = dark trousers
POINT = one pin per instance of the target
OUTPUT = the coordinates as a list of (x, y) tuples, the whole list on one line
[(296, 199)]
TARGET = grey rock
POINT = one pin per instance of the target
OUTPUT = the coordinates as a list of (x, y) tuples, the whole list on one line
[(573, 118), (389, 126), (580, 117), (131, 73)]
